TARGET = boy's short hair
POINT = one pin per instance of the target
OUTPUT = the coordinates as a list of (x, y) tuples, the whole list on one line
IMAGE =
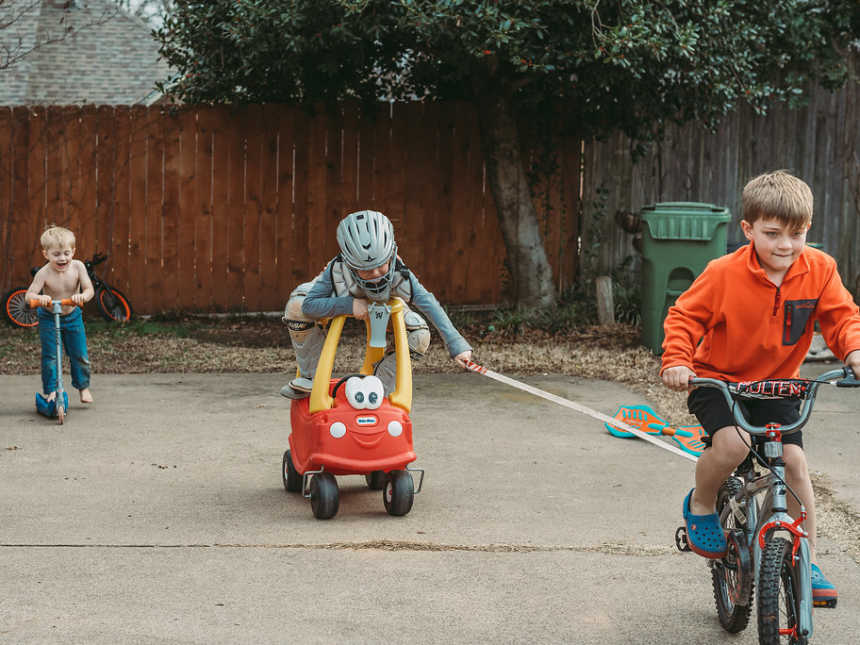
[(57, 236), (778, 195)]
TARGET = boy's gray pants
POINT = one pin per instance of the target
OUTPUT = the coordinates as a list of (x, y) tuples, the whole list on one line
[(307, 337)]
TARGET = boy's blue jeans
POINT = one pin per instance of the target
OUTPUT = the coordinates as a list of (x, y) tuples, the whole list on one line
[(74, 345)]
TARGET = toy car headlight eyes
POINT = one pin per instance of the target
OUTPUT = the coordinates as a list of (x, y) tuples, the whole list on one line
[(355, 393), (366, 392), (375, 392)]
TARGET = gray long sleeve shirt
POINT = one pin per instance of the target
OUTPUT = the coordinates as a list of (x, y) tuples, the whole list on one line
[(322, 302)]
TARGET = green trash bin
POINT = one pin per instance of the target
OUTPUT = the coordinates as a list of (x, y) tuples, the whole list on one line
[(678, 241)]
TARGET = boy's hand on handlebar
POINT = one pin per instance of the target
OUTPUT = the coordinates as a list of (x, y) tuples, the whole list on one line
[(853, 361), (359, 308), (79, 299), (678, 378), (462, 357), (44, 301)]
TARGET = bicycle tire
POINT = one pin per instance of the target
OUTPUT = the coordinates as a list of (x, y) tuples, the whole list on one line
[(113, 305), (778, 595), (732, 576), (17, 310)]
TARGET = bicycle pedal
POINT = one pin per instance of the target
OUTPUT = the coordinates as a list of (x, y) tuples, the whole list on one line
[(681, 542), (830, 603)]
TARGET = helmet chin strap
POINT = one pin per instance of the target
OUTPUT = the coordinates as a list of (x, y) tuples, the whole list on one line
[(378, 290)]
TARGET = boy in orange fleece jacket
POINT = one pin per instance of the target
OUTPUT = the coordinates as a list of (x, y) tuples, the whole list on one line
[(753, 311)]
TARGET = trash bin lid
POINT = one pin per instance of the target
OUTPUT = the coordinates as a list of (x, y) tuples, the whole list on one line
[(684, 220)]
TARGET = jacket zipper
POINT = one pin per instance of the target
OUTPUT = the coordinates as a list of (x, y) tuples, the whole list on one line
[(776, 302)]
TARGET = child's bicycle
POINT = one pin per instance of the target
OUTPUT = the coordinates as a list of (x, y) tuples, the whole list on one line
[(767, 548), (111, 302)]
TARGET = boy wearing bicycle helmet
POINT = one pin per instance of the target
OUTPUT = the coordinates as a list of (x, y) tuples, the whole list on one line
[(62, 277), (366, 270), (750, 316)]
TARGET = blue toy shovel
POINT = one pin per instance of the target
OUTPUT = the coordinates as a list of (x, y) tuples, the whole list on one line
[(60, 404)]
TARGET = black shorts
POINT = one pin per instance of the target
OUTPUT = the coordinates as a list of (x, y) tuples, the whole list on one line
[(713, 412)]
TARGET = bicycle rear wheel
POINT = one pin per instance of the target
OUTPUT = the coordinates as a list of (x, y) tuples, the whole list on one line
[(113, 304), (17, 310), (778, 596), (732, 576)]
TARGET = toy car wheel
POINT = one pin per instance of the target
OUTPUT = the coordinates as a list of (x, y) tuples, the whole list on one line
[(292, 479), (376, 480), (324, 496), (399, 493)]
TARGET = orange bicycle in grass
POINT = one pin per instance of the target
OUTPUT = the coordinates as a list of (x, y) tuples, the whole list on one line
[(349, 426), (112, 303)]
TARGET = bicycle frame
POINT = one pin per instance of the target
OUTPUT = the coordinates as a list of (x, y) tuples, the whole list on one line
[(765, 502), (761, 505)]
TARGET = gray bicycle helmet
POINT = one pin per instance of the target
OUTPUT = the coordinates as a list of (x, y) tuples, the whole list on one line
[(366, 240)]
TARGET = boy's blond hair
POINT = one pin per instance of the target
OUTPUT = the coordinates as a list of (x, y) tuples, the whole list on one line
[(778, 195), (57, 236)]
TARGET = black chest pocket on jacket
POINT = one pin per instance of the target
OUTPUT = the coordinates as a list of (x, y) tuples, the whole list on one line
[(797, 316)]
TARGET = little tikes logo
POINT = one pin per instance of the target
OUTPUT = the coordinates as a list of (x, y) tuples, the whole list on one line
[(369, 420)]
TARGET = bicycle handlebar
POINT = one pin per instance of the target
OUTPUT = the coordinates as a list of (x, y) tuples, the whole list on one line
[(781, 389), (97, 258)]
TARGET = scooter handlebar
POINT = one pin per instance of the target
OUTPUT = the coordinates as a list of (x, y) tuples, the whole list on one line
[(65, 302)]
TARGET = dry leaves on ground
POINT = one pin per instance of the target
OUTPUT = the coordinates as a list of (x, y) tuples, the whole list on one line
[(262, 345)]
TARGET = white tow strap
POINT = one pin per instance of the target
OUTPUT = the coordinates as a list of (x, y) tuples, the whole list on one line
[(579, 408)]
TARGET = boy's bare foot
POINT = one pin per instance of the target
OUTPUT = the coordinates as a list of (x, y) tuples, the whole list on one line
[(86, 395)]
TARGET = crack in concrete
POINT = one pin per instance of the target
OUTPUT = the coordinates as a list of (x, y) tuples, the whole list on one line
[(610, 548)]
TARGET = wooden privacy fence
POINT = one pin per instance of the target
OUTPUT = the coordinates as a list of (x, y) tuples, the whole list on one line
[(227, 209), (820, 143)]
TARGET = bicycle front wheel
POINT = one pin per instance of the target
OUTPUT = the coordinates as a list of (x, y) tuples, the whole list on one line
[(778, 596), (113, 304), (17, 310)]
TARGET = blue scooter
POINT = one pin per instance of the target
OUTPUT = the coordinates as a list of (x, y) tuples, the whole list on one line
[(60, 403)]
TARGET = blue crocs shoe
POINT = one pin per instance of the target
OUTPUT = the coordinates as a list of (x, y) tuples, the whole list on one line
[(705, 536), (823, 592)]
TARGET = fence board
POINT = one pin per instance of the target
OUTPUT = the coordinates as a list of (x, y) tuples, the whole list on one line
[(220, 208), (6, 196), (285, 244), (269, 298), (36, 189), (303, 267), (236, 149), (178, 158), (119, 202), (255, 167)]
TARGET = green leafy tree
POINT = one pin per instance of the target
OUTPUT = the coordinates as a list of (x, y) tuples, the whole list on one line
[(585, 67)]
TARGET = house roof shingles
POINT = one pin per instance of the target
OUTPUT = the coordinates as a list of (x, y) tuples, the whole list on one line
[(109, 57)]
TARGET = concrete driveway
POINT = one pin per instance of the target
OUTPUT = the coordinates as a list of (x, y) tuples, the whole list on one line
[(158, 516)]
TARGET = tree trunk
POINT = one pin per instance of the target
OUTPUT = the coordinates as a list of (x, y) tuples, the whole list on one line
[(531, 274)]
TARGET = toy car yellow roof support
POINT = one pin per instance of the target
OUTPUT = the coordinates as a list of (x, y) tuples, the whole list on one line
[(402, 394)]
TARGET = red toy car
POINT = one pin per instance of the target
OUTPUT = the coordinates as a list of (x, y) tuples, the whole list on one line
[(348, 427)]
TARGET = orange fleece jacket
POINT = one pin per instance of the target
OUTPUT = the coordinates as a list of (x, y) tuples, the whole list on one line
[(750, 329)]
